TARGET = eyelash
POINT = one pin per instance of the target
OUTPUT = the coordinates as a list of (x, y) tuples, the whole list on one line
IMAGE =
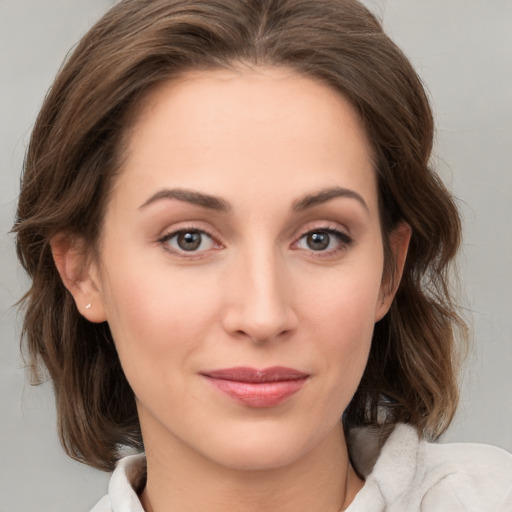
[(163, 241), (344, 241)]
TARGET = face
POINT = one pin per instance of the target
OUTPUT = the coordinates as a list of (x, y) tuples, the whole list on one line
[(241, 263)]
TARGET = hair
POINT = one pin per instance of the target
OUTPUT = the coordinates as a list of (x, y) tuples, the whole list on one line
[(76, 149)]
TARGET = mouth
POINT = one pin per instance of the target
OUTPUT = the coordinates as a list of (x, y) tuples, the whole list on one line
[(258, 388)]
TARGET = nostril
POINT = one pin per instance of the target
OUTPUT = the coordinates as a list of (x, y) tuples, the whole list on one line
[(263, 337)]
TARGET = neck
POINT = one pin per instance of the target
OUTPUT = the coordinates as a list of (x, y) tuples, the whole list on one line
[(320, 481)]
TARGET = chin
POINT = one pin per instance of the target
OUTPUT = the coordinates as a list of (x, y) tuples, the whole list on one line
[(259, 458), (265, 446)]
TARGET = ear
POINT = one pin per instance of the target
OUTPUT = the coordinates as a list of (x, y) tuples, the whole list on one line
[(399, 244), (79, 275)]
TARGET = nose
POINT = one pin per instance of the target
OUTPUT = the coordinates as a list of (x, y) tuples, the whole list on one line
[(259, 298)]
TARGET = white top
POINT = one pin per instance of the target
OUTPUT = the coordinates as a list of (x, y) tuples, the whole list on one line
[(406, 474)]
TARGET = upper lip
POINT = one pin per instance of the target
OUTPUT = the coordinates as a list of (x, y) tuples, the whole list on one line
[(254, 375)]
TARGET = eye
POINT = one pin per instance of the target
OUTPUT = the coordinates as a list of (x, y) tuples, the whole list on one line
[(323, 240), (188, 240)]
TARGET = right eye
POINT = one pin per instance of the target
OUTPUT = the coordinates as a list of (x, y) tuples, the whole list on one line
[(188, 240)]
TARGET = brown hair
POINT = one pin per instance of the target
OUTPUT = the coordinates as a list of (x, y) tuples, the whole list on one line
[(76, 149)]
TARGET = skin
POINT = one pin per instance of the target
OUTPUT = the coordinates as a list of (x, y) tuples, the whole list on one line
[(256, 292)]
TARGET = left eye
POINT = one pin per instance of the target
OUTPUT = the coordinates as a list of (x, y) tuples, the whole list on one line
[(189, 240), (323, 240)]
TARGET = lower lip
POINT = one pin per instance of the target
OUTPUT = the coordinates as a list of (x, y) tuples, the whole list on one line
[(261, 394)]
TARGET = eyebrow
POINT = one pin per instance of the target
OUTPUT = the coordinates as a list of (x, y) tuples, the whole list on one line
[(326, 195), (192, 197), (220, 205)]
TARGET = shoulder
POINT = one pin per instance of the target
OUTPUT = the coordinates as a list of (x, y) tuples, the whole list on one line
[(127, 479), (411, 474), (475, 476)]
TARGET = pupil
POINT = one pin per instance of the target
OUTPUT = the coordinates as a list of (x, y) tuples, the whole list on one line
[(318, 241), (189, 241)]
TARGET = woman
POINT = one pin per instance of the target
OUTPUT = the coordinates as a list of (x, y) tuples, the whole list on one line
[(240, 265)]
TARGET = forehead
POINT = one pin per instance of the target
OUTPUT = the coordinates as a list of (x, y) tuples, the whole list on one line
[(228, 130)]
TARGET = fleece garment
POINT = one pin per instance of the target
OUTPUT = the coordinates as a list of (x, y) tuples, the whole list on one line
[(402, 473)]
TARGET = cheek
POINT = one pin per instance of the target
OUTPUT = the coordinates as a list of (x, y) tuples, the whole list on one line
[(156, 315), (346, 334), (341, 315), (344, 302)]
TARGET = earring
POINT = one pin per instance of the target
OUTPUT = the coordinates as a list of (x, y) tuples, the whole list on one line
[(88, 306)]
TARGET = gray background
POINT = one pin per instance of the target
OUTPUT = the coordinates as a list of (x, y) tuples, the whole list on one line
[(463, 51)]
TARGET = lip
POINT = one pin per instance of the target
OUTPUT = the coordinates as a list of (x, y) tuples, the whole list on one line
[(257, 388)]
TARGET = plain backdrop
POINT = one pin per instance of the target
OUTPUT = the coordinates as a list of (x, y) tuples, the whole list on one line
[(463, 52)]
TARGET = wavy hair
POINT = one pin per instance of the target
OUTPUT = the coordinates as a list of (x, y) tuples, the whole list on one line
[(76, 149)]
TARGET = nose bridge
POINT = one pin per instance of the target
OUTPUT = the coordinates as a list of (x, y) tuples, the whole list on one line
[(260, 303)]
